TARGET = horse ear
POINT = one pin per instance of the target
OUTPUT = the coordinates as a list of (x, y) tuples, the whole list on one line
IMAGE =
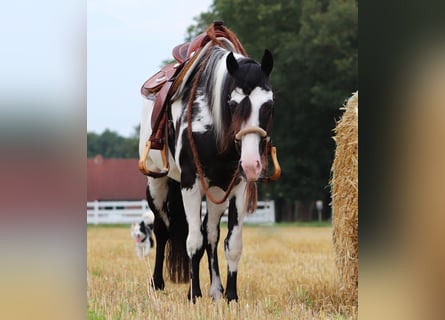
[(232, 64), (267, 62)]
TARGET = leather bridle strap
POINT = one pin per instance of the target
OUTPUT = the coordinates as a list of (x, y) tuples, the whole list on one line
[(268, 150), (261, 132)]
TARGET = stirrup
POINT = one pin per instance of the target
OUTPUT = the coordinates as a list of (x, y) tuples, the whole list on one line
[(143, 162), (277, 169)]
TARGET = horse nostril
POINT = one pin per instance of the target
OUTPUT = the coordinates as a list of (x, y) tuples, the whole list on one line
[(250, 169)]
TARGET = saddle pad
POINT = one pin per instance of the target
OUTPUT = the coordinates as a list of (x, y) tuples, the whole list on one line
[(156, 81)]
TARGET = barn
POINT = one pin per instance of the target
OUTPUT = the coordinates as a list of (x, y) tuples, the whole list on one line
[(114, 180)]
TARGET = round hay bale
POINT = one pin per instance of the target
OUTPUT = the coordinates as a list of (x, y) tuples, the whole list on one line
[(344, 188)]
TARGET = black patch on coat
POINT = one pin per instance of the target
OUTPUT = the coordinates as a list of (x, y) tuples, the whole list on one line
[(232, 221)]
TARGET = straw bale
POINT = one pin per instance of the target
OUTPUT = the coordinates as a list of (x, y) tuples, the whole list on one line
[(344, 188)]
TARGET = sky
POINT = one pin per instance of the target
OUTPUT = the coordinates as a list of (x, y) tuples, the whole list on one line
[(127, 42)]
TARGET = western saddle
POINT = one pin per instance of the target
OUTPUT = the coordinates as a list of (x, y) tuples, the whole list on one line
[(163, 85)]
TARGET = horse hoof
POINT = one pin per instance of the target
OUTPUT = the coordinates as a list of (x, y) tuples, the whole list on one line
[(197, 294), (157, 284), (231, 296), (216, 293)]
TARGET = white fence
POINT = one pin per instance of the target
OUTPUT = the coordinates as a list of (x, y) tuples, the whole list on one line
[(126, 212), (115, 212)]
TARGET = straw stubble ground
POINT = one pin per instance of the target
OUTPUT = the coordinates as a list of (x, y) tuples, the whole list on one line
[(286, 272)]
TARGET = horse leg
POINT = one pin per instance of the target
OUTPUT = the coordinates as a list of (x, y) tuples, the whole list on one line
[(191, 196), (233, 245), (156, 193), (212, 233), (195, 288)]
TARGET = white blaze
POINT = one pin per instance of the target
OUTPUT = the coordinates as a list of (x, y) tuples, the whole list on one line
[(250, 153), (250, 156)]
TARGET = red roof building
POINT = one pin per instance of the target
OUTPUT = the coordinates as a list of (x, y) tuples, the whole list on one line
[(114, 179)]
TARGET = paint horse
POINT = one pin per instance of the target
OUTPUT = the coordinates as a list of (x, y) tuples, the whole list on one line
[(218, 141)]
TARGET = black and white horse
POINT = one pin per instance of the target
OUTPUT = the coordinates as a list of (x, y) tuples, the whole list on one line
[(215, 148)]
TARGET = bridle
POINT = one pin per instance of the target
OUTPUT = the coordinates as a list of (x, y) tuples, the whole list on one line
[(268, 149), (260, 131)]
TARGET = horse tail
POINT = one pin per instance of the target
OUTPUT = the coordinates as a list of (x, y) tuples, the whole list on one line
[(178, 261)]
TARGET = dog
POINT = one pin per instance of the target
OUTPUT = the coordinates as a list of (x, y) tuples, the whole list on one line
[(142, 234)]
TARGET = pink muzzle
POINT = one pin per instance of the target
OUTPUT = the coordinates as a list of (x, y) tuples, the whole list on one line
[(250, 155), (252, 169)]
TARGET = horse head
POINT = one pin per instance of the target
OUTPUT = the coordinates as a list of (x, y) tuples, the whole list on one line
[(251, 106)]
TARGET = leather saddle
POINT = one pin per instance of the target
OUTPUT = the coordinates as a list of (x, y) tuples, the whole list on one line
[(163, 85)]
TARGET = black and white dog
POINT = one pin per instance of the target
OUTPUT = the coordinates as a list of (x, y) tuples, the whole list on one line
[(142, 234)]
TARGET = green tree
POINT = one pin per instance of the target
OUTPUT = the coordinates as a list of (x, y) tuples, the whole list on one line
[(327, 74), (111, 145)]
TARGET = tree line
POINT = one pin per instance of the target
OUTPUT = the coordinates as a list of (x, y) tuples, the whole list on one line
[(314, 44), (110, 144)]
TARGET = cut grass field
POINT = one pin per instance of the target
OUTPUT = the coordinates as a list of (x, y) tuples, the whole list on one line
[(285, 272)]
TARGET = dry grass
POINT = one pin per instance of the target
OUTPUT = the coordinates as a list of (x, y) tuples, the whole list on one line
[(285, 273), (345, 198)]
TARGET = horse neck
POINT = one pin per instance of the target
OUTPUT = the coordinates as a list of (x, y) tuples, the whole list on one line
[(216, 86)]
